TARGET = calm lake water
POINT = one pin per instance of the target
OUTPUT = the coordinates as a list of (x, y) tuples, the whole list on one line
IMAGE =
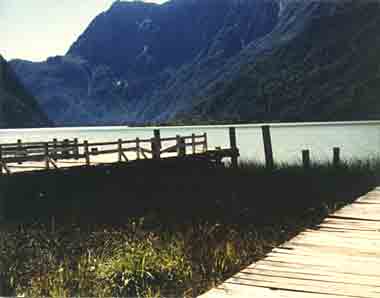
[(357, 140)]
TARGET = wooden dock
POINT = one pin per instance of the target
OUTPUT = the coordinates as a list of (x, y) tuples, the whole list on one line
[(338, 258), (62, 154)]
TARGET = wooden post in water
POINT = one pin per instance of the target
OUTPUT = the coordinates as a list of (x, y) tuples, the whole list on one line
[(138, 148), (268, 147), (336, 156), (233, 146), (120, 149), (156, 144), (47, 157), (193, 143), (306, 159), (86, 153)]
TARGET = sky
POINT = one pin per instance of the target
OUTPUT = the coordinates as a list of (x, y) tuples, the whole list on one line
[(36, 29)]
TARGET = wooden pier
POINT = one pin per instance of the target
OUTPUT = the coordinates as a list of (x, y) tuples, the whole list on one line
[(60, 154), (339, 258)]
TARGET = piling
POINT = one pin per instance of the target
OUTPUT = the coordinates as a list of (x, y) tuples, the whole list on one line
[(233, 146), (267, 147), (306, 159), (336, 156)]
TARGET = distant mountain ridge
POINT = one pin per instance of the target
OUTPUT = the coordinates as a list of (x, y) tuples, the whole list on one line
[(212, 60), (18, 109)]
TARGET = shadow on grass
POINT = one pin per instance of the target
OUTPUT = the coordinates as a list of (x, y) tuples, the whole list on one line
[(176, 227)]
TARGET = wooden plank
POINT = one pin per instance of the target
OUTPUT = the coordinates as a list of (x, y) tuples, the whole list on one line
[(340, 259)]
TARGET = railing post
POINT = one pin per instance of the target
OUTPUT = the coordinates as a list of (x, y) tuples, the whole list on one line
[(55, 149), (156, 144), (86, 153), (2, 212), (268, 147), (306, 159), (205, 144), (1, 162), (47, 157), (178, 137), (234, 157), (336, 157), (193, 143), (181, 146), (120, 149), (19, 148), (137, 148), (76, 149), (65, 145)]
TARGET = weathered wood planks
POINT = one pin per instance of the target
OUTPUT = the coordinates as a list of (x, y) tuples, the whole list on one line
[(339, 258)]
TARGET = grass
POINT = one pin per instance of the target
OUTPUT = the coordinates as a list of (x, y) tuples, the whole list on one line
[(181, 234)]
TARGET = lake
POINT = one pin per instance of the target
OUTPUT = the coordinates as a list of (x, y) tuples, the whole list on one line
[(357, 140)]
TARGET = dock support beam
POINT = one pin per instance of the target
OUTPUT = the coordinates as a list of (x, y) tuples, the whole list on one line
[(233, 146), (268, 147)]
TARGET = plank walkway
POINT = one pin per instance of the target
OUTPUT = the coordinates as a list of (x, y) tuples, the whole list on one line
[(339, 258)]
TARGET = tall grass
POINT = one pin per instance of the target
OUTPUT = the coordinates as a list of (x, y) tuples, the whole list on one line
[(183, 234)]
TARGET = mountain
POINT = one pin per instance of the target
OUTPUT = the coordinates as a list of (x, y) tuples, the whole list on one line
[(328, 71), (18, 109), (131, 51), (215, 60), (73, 92)]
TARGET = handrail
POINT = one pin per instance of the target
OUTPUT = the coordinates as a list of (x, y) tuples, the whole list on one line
[(52, 151)]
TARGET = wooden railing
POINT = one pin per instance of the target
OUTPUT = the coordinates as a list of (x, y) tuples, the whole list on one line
[(51, 152)]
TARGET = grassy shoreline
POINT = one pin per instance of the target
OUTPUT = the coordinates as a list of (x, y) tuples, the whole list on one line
[(191, 230)]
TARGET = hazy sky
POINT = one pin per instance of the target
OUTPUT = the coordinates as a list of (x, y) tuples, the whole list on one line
[(36, 29)]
